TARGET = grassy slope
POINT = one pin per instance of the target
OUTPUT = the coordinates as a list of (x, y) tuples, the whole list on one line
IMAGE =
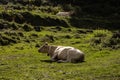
[(22, 61)]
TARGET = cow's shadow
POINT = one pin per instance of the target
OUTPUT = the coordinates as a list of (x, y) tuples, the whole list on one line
[(47, 61)]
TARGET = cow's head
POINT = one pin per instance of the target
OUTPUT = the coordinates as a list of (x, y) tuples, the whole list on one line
[(44, 48)]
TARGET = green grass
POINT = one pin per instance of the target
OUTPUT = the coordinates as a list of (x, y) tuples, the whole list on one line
[(21, 61)]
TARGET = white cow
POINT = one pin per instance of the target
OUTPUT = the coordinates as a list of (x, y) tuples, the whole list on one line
[(62, 53), (65, 13)]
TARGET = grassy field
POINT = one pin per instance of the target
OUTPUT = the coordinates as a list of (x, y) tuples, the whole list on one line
[(21, 60), (27, 24)]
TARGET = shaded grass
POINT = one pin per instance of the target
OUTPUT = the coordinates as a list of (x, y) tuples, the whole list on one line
[(33, 18)]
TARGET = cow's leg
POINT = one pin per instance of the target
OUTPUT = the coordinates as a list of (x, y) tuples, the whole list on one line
[(62, 61), (54, 57), (68, 59)]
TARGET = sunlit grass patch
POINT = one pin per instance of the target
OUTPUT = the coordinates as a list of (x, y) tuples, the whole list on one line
[(22, 60)]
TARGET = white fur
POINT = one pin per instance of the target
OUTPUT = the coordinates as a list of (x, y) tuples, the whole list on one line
[(64, 13), (68, 53), (62, 53)]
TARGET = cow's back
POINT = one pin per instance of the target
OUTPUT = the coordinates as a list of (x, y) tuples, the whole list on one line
[(69, 53), (62, 52)]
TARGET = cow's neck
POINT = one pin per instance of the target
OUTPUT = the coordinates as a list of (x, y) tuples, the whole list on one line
[(51, 50)]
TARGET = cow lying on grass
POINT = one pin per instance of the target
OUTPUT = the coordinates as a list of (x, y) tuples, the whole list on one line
[(62, 54)]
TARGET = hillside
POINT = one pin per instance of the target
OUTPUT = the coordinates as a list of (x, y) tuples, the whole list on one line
[(90, 25), (93, 14)]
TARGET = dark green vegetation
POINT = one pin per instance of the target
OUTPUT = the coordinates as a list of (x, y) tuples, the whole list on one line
[(93, 13), (93, 28)]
